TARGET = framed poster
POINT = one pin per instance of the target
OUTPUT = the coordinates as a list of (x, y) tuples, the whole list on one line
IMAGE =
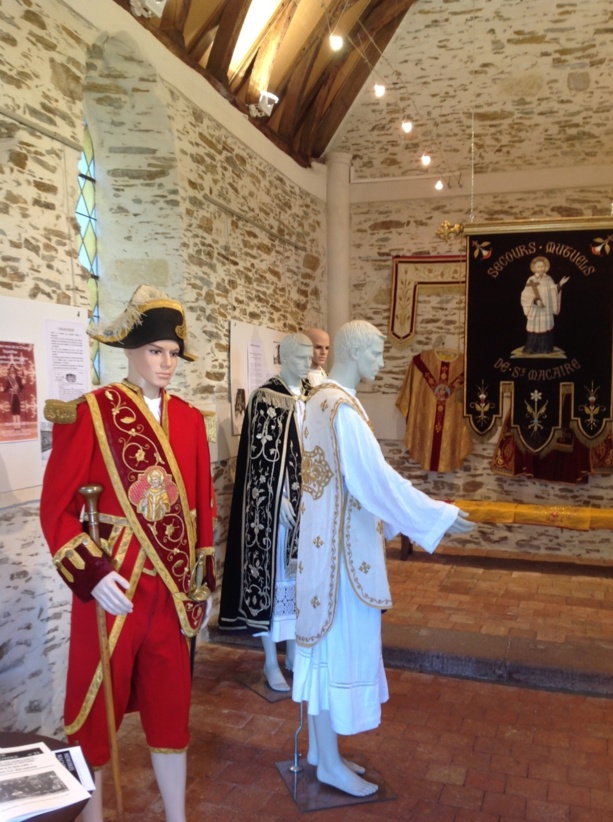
[(44, 353), (539, 326)]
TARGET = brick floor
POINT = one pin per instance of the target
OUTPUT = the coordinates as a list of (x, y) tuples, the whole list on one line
[(453, 749)]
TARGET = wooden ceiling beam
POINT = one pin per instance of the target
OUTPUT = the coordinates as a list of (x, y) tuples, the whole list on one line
[(311, 108), (204, 35), (229, 27), (175, 14), (293, 94), (294, 83), (268, 48), (374, 30)]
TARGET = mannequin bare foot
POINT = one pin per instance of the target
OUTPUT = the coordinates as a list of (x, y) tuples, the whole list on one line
[(343, 778), (275, 678), (313, 759), (313, 752)]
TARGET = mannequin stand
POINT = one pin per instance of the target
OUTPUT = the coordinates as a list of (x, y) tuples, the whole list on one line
[(310, 794), (256, 681)]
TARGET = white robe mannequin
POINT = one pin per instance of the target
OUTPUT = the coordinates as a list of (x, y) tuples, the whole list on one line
[(362, 361)]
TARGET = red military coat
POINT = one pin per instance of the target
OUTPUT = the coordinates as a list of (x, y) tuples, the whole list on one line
[(77, 459)]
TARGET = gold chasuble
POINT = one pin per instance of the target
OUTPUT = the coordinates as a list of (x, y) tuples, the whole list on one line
[(430, 400)]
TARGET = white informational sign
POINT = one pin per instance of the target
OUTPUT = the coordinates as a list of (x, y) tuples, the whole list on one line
[(68, 360), (48, 346), (254, 359)]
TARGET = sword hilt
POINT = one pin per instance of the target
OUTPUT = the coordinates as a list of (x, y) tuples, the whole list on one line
[(90, 494)]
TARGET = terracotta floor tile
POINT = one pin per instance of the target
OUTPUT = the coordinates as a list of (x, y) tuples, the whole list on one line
[(504, 804), (539, 811), (569, 794), (454, 749)]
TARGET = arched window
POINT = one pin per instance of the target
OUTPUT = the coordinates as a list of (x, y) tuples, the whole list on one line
[(88, 249)]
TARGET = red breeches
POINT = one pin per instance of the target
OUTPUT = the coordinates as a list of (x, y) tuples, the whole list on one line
[(149, 667)]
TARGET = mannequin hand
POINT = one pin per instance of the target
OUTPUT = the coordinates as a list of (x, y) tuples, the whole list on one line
[(461, 524), (110, 597), (287, 518)]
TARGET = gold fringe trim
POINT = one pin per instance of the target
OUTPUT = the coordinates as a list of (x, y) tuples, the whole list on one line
[(168, 750), (590, 442), (61, 412), (210, 424), (279, 400)]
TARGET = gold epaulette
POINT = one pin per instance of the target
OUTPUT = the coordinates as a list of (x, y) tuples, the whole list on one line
[(62, 412)]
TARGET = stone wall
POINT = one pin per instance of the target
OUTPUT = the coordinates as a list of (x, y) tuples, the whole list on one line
[(182, 203), (385, 229), (531, 77)]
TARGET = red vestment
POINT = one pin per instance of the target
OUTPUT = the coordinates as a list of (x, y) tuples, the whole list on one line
[(149, 653)]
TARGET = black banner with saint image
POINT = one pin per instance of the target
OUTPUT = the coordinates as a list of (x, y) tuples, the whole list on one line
[(539, 323)]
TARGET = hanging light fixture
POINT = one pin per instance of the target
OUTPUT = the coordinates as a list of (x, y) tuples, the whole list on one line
[(439, 185), (426, 159), (407, 125), (379, 89), (336, 42)]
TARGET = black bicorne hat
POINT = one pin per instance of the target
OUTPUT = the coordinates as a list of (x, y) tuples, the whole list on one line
[(150, 316)]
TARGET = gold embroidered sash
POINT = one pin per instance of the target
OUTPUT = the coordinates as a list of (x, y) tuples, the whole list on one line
[(149, 487)]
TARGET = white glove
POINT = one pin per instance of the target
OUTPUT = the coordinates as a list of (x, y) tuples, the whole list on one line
[(110, 597), (461, 524), (287, 517)]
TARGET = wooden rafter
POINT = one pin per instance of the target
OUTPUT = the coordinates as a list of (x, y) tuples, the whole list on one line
[(378, 25), (293, 85), (268, 48), (175, 14), (317, 86), (228, 30), (205, 34)]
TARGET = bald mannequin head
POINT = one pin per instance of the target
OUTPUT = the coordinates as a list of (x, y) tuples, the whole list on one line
[(358, 353), (321, 346), (295, 352)]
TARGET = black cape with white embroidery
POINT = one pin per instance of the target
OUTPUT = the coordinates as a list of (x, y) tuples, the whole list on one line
[(268, 455)]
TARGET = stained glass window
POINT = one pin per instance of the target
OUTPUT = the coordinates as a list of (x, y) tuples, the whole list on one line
[(88, 248)]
